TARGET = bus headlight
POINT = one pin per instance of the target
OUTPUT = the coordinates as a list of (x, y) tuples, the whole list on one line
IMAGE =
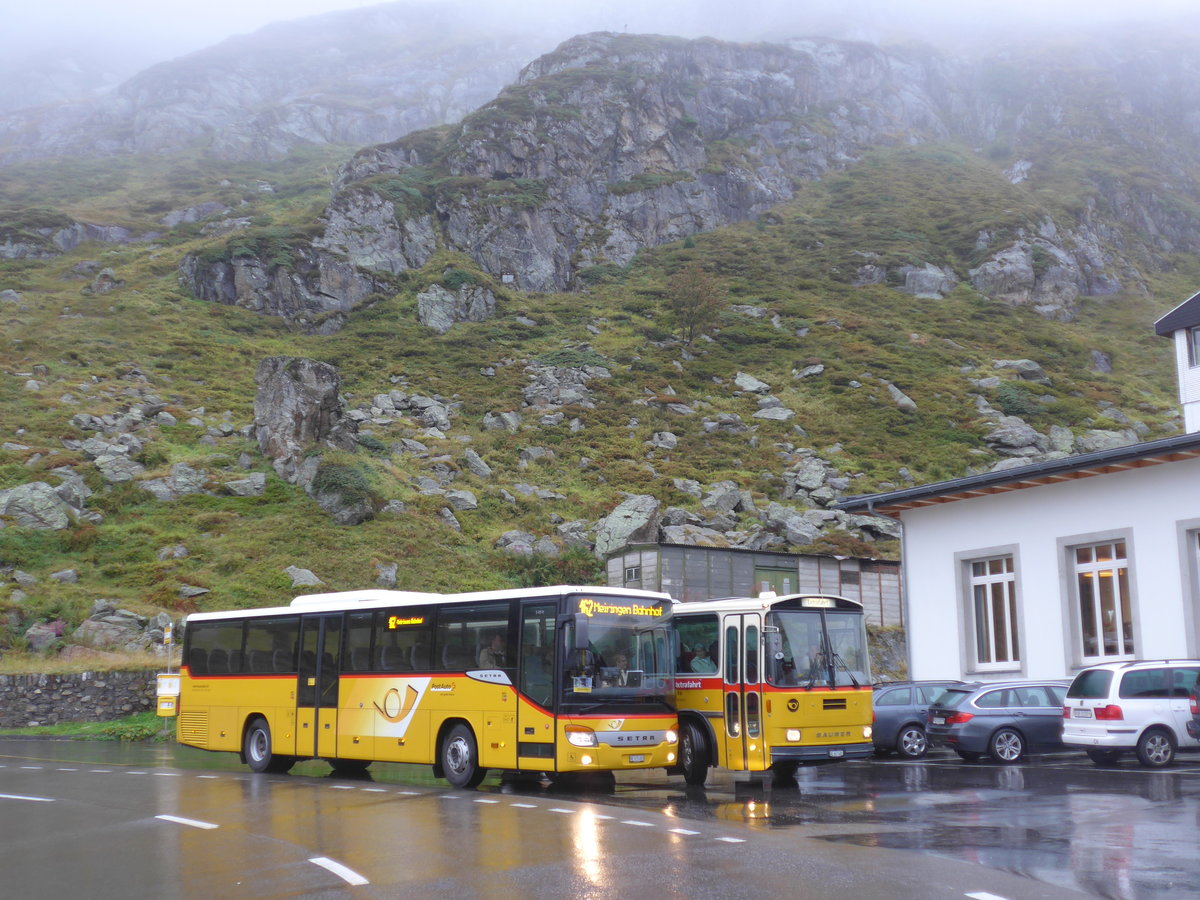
[(793, 734), (671, 736), (867, 732), (580, 736), (586, 759)]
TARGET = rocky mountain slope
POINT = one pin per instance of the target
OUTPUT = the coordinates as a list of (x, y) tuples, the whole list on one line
[(614, 143), (463, 369)]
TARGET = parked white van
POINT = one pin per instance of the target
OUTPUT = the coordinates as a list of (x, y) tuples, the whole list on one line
[(1140, 705)]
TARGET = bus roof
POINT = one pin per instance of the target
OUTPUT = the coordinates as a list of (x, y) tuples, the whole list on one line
[(764, 601), (370, 598)]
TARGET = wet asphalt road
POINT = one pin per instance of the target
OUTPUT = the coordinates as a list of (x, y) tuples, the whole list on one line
[(109, 820)]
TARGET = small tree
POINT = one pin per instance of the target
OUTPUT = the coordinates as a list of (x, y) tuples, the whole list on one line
[(696, 300)]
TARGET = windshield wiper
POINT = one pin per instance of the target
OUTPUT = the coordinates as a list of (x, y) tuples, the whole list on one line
[(837, 658)]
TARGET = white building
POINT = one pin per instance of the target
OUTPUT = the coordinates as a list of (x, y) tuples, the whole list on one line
[(1040, 570)]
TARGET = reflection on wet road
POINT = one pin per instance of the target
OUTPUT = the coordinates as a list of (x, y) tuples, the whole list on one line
[(1057, 826)]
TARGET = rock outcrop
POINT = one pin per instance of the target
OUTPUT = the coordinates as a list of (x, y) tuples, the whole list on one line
[(298, 405)]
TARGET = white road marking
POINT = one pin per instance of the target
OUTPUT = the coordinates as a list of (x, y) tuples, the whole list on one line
[(485, 800), (636, 822), (167, 774), (347, 875), (409, 793), (342, 787), (67, 770), (137, 773), (19, 797), (560, 810), (38, 768), (984, 895), (208, 776), (730, 840), (194, 823), (683, 831), (599, 817), (524, 805), (100, 772)]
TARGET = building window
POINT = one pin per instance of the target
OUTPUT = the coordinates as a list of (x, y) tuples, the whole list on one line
[(1193, 345), (994, 599), (1105, 614), (633, 575)]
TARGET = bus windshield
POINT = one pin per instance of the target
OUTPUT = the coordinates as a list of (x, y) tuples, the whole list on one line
[(816, 648), (627, 655)]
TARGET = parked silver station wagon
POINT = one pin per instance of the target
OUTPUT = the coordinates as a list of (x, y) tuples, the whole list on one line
[(1003, 719)]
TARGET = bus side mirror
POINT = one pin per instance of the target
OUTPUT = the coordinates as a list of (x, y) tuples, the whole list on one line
[(581, 629)]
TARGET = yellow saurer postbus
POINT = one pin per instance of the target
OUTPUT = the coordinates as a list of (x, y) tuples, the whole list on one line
[(771, 683), (554, 680)]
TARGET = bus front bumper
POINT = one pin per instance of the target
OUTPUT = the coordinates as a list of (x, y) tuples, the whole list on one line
[(822, 753)]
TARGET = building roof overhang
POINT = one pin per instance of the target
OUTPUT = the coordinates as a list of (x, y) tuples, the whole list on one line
[(1071, 468)]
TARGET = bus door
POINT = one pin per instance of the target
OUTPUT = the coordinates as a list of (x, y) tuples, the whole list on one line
[(744, 748), (317, 686), (535, 708)]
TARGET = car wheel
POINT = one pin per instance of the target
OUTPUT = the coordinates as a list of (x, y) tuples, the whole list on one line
[(1156, 748), (912, 742), (1007, 746), (693, 754), (1104, 757), (968, 755), (460, 760)]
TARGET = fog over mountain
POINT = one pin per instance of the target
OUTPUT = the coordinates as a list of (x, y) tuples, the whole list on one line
[(65, 49)]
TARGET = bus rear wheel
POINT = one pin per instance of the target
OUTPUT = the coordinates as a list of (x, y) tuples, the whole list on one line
[(693, 754), (460, 759), (257, 749)]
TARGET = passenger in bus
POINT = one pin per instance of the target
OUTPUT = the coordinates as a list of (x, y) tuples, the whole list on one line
[(701, 661), (492, 656)]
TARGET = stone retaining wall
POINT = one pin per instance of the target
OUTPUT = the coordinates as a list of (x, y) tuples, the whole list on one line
[(27, 700)]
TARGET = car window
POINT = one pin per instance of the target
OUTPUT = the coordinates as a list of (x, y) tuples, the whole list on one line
[(898, 697), (1184, 681), (1145, 684), (929, 692), (1091, 685), (1057, 692), (951, 698), (994, 699), (1034, 696)]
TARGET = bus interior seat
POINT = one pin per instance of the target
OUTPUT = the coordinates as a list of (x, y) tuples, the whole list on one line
[(455, 656), (360, 659), (283, 661), (218, 662)]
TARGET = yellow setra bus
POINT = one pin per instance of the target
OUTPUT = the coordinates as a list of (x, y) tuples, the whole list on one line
[(771, 683), (554, 680)]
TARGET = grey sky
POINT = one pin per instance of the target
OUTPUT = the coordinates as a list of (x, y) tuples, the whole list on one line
[(162, 28)]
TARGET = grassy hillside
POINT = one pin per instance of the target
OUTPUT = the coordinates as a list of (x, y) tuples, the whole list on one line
[(903, 205)]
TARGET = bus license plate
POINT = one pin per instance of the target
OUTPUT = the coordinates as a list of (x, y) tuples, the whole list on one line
[(1081, 714), (837, 752), (938, 720), (637, 757)]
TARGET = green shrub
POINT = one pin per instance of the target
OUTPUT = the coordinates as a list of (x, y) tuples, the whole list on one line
[(351, 482), (1015, 399)]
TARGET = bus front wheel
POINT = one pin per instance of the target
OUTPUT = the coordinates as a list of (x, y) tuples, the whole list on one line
[(693, 754), (257, 749), (460, 759)]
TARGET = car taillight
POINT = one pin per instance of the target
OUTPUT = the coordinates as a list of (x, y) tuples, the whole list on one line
[(1066, 712), (1194, 706), (1112, 712), (959, 718)]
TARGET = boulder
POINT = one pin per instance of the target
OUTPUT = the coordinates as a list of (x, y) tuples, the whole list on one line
[(37, 505), (636, 519), (297, 404), (440, 309)]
